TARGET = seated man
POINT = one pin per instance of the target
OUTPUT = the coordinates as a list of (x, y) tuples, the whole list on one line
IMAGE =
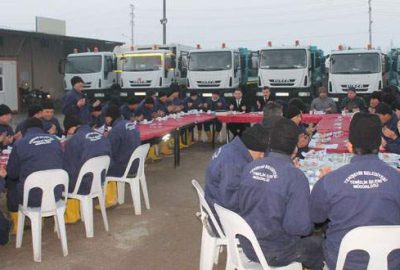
[(390, 133), (175, 102), (215, 103), (362, 193), (194, 102), (323, 103), (148, 109), (33, 111), (124, 139), (6, 131), (50, 123), (163, 107), (271, 109), (129, 109), (97, 117), (374, 101), (36, 151), (264, 99), (352, 102), (84, 143), (238, 104), (274, 200), (226, 166), (294, 114)]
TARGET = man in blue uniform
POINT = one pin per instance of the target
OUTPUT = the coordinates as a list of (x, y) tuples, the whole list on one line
[(175, 102), (148, 109), (97, 117), (129, 111), (162, 106), (74, 102), (215, 103), (362, 193), (36, 151), (390, 132), (50, 124), (33, 111), (224, 171), (124, 139), (274, 200), (294, 114), (5, 224), (194, 102), (6, 131), (84, 144)]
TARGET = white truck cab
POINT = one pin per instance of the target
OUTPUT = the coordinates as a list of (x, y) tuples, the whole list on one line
[(361, 69), (95, 68), (214, 69)]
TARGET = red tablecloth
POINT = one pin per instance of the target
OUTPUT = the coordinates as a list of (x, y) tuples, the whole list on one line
[(258, 117), (148, 132)]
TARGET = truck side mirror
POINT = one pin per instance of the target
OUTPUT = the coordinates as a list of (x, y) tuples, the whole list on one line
[(61, 66)]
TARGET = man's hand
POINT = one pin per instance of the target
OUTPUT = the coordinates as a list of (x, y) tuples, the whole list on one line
[(303, 141), (3, 172), (17, 136), (389, 133), (244, 108), (324, 171), (310, 130), (81, 103), (190, 105), (383, 145), (230, 107), (52, 130), (258, 104), (205, 105)]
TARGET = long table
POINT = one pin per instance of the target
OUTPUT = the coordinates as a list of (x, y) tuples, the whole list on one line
[(257, 117), (158, 129)]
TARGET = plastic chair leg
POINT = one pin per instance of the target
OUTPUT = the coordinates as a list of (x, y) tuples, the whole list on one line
[(103, 211), (20, 229), (87, 205), (61, 229), (135, 191), (208, 249), (56, 226), (121, 192), (82, 218), (36, 227), (143, 183)]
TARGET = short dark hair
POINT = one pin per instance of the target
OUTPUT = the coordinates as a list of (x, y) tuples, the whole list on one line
[(239, 89), (48, 105), (365, 133), (298, 103), (272, 108), (33, 122), (132, 101), (284, 136), (383, 108), (162, 94), (149, 100), (34, 109), (352, 89), (266, 88), (193, 93)]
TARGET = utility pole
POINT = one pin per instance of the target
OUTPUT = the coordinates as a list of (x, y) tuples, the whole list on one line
[(164, 21), (132, 14), (370, 22)]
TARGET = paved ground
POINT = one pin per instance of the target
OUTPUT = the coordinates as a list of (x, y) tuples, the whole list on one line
[(165, 237)]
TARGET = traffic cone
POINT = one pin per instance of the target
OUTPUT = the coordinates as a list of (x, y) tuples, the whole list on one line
[(153, 153), (73, 211), (14, 220)]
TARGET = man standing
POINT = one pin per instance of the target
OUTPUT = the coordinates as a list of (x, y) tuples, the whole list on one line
[(238, 105), (323, 103), (224, 171), (36, 151), (74, 102), (274, 200), (362, 193), (353, 103), (264, 99)]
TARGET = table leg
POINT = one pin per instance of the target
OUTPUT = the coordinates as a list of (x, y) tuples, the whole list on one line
[(176, 147), (213, 134)]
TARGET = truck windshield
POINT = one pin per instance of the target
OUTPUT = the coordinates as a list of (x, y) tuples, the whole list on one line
[(283, 59), (83, 64), (210, 61), (355, 63), (142, 63)]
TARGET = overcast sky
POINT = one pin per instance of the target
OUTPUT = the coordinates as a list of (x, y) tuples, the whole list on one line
[(249, 23)]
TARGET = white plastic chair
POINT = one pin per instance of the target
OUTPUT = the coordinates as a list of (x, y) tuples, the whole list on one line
[(378, 241), (47, 181), (235, 225), (211, 244), (94, 166), (135, 181)]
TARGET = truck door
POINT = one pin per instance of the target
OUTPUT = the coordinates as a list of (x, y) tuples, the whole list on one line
[(237, 74), (169, 72), (109, 75), (8, 83)]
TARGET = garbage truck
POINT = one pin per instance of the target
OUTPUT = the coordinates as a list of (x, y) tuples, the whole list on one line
[(95, 68), (222, 69), (361, 69), (156, 67), (393, 68), (294, 71)]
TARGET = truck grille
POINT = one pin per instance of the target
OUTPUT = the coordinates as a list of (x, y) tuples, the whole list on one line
[(140, 83), (358, 87), (208, 83), (87, 85), (282, 82)]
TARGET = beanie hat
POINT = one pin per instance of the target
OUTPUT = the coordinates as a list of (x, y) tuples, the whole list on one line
[(132, 101), (70, 121), (284, 136), (256, 138), (113, 112), (33, 122), (76, 79), (4, 109), (34, 109), (291, 112), (162, 94), (383, 108), (48, 105), (365, 131)]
